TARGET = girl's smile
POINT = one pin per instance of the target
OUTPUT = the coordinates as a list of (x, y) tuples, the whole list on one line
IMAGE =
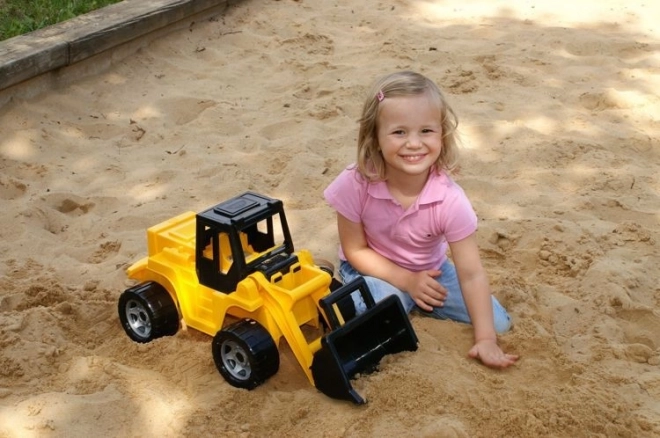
[(413, 158), (409, 134)]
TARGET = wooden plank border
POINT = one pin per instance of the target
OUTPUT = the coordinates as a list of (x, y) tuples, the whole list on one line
[(30, 55)]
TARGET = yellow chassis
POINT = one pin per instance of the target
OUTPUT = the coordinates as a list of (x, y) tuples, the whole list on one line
[(282, 304)]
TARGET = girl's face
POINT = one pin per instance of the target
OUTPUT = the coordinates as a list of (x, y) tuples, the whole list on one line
[(409, 134)]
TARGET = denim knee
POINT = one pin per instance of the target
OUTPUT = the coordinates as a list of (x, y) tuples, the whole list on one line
[(501, 318), (379, 289), (454, 308)]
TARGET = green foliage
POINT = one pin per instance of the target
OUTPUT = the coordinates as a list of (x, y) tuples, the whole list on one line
[(18, 17)]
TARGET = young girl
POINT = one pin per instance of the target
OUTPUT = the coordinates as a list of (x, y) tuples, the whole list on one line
[(398, 212)]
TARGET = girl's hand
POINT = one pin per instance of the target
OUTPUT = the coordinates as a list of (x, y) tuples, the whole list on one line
[(425, 290), (491, 355)]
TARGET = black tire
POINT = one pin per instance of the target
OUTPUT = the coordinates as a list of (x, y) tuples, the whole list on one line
[(326, 266), (147, 312), (245, 354)]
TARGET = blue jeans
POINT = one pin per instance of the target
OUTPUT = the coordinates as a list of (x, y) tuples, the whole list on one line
[(454, 308)]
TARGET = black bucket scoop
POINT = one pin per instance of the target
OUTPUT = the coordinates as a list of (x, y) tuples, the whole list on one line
[(357, 344)]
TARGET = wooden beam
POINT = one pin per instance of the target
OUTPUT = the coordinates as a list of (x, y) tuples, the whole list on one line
[(26, 56)]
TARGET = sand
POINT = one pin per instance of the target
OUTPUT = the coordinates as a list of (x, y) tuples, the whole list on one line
[(560, 155)]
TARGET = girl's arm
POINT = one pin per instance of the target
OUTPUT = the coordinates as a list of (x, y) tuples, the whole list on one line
[(422, 287), (477, 295)]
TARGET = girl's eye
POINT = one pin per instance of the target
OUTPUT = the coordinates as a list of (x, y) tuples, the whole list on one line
[(398, 132), (426, 131)]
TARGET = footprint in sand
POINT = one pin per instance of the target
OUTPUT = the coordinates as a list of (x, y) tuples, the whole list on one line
[(74, 208), (641, 327), (604, 100), (73, 205), (59, 212), (11, 188), (283, 129), (183, 110), (311, 44), (460, 81), (53, 212), (105, 251)]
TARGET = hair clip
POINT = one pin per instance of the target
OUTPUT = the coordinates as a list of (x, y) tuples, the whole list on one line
[(380, 96)]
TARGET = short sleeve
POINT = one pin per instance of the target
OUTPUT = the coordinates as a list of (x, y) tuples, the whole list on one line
[(458, 217), (345, 194)]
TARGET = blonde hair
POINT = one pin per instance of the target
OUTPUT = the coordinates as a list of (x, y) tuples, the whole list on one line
[(370, 162)]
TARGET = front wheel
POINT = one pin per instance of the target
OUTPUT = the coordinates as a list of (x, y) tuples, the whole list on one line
[(245, 354), (147, 312)]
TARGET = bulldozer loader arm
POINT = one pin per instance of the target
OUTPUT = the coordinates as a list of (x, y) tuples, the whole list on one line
[(356, 344)]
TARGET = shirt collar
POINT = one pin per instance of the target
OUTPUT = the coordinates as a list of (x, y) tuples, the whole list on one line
[(434, 190)]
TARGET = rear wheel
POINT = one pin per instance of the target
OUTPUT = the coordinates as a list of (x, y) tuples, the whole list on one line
[(147, 312), (245, 354), (326, 266)]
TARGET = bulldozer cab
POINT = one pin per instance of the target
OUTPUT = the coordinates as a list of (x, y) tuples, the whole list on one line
[(239, 236)]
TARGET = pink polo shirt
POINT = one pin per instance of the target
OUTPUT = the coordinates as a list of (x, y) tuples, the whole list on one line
[(415, 238)]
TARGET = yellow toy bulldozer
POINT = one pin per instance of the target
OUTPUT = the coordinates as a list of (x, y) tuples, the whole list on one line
[(232, 273)]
